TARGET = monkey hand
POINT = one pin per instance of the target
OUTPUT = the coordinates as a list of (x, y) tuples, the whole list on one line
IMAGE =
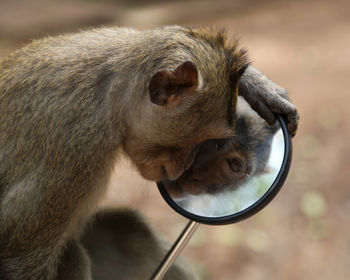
[(266, 98)]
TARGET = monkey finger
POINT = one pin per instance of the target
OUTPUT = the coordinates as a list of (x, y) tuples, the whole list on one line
[(282, 92), (264, 112), (292, 118), (293, 121), (285, 107)]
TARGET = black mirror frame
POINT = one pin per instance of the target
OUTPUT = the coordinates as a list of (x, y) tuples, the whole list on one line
[(255, 207)]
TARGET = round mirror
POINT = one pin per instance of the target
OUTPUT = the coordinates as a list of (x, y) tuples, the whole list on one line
[(232, 179)]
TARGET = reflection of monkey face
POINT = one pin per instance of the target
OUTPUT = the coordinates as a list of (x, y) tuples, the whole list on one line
[(227, 163), (213, 169)]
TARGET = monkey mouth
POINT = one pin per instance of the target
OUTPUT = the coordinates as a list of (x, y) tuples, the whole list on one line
[(187, 164)]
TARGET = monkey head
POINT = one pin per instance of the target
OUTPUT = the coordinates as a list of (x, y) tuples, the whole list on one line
[(186, 103), (227, 163)]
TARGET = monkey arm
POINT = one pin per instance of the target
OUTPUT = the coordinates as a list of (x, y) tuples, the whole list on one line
[(266, 98)]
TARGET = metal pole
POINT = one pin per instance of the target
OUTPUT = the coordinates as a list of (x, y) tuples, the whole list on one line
[(175, 250)]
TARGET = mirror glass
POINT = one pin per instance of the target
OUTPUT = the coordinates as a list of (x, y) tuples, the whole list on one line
[(233, 178)]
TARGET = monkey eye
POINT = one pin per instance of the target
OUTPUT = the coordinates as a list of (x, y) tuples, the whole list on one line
[(236, 164)]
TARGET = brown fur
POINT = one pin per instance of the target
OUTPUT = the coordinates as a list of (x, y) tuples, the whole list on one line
[(228, 162), (70, 104), (121, 245)]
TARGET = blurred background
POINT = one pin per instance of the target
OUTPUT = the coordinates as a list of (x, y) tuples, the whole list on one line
[(302, 45)]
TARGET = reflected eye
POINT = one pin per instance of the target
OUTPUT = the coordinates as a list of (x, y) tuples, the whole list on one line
[(236, 164)]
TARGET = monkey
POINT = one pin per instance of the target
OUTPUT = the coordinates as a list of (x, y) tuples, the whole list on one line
[(120, 240), (70, 105), (222, 164), (121, 245), (74, 262), (115, 250), (267, 98)]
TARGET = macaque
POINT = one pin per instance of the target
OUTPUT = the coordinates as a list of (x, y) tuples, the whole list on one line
[(71, 105), (223, 164), (121, 245)]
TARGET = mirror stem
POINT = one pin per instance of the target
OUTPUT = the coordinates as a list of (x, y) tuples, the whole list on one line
[(175, 250)]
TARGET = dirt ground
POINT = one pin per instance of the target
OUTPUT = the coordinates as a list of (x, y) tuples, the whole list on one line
[(304, 46)]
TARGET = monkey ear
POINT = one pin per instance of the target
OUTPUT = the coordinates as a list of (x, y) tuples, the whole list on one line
[(170, 87)]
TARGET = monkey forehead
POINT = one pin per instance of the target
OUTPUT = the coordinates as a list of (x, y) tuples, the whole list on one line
[(208, 48), (212, 124)]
